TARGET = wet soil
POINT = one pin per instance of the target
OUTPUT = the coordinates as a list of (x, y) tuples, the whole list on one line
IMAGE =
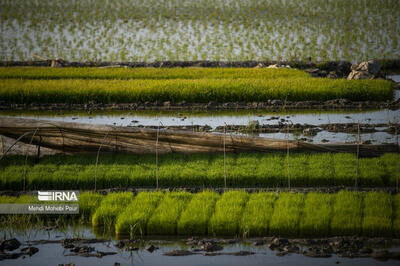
[(273, 105)]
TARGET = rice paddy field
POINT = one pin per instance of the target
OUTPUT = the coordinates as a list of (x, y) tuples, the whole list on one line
[(134, 30), (79, 86), (238, 213), (219, 163), (249, 170)]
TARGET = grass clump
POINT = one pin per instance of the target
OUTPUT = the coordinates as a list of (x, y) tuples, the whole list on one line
[(111, 206), (88, 203), (286, 215), (228, 212), (377, 215), (165, 218), (347, 214), (257, 214), (316, 215), (133, 220), (194, 219)]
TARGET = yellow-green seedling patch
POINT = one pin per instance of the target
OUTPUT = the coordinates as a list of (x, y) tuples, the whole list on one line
[(133, 219), (165, 218), (195, 217), (228, 212), (257, 214)]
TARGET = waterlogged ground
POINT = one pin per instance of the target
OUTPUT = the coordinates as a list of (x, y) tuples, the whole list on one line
[(55, 253), (220, 118)]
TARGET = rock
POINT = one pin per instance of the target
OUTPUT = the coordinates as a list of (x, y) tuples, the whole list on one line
[(210, 247), (120, 244), (354, 74), (365, 70), (259, 242), (273, 66), (117, 264), (260, 65), (151, 248), (371, 66), (66, 264), (9, 244), (276, 102), (82, 249), (179, 253), (29, 250), (332, 75), (9, 256)]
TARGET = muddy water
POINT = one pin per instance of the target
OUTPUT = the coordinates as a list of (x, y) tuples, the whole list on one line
[(214, 119), (55, 253)]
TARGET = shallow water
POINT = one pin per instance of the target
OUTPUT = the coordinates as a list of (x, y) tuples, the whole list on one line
[(54, 253), (219, 118)]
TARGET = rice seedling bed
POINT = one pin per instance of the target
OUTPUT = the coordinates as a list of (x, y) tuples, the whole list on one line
[(46, 73), (80, 91), (236, 213), (202, 170)]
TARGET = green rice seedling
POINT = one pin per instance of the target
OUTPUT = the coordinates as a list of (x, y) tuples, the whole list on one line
[(257, 214), (165, 218), (391, 163), (39, 175), (215, 173), (12, 177), (347, 214), (286, 216), (228, 212), (147, 73), (271, 171), (371, 173), (110, 207), (377, 215), (321, 170), (244, 171), (88, 203), (197, 90), (65, 176), (133, 220), (316, 215), (195, 217), (344, 169), (298, 169), (396, 215)]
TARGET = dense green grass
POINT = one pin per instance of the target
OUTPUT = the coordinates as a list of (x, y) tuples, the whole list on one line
[(194, 219), (374, 214), (147, 73), (110, 207), (228, 212), (287, 210), (316, 215), (133, 219), (191, 90), (165, 218), (177, 170), (347, 214), (377, 214), (257, 214)]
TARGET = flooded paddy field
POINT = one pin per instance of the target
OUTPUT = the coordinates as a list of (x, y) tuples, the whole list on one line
[(376, 126), (55, 246)]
